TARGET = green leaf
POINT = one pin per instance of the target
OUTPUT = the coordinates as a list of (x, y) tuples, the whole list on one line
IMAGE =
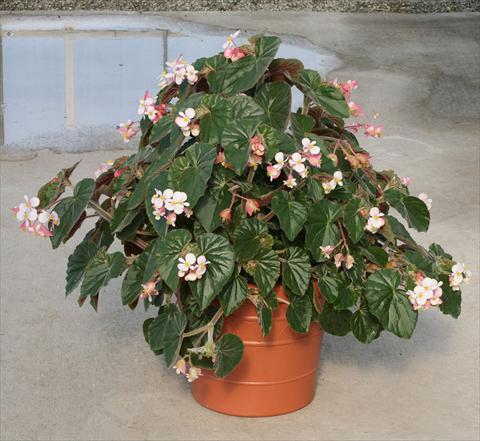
[(270, 140), (412, 209), (219, 253), (245, 108), (321, 228), (173, 336), (399, 230), (122, 217), (301, 125), (376, 255), (389, 304), (276, 100), (265, 318), (243, 74), (159, 183), (353, 222), (191, 172), (229, 354), (167, 255), (156, 330), (296, 270), (102, 268), (216, 117), (299, 313), (236, 143), (54, 188), (422, 262), (233, 294), (335, 322), (161, 128), (365, 326), (70, 209), (132, 283), (247, 238), (329, 288), (216, 199), (451, 300), (291, 214), (77, 264), (267, 270), (336, 292), (323, 94)]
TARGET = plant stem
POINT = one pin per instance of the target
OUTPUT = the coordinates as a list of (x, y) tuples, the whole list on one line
[(205, 328)]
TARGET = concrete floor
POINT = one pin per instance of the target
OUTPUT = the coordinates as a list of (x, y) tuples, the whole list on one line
[(70, 374)]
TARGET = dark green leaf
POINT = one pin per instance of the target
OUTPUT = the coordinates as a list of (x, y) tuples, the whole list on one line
[(70, 209), (219, 253), (390, 304), (353, 222), (451, 300), (296, 270), (413, 210), (77, 264), (229, 354), (245, 108), (301, 125), (173, 336), (376, 255), (217, 116), (267, 270), (365, 326), (191, 172), (299, 313), (291, 214), (264, 318), (321, 228), (335, 322), (275, 99), (233, 294), (132, 283), (247, 238)]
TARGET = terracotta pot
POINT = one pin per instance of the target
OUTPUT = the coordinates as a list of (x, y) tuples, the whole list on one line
[(277, 373)]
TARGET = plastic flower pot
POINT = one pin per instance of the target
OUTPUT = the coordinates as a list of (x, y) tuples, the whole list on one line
[(277, 374)]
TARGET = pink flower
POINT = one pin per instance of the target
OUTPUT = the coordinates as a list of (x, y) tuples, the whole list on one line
[(314, 160), (256, 146), (406, 181), (128, 130), (327, 250), (290, 182), (119, 172), (251, 206), (338, 258), (355, 109), (226, 215), (354, 127), (149, 290), (233, 53), (147, 106), (371, 130), (426, 200), (347, 87), (171, 218), (273, 172), (161, 110)]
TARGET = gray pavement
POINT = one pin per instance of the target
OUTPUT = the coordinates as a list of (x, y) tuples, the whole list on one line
[(70, 374)]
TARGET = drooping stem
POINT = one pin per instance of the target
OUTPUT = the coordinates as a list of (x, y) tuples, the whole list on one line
[(205, 328)]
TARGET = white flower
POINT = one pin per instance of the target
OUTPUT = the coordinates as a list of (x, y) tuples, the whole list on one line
[(328, 186), (184, 118), (202, 263), (310, 147), (103, 167), (146, 105), (296, 162), (191, 74), (280, 158), (376, 220), (459, 275), (193, 374), (230, 40), (186, 264), (291, 182), (427, 293), (159, 198), (177, 202), (349, 261), (424, 197), (337, 177)]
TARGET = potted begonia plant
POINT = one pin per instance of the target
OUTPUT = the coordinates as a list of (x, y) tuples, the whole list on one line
[(249, 228)]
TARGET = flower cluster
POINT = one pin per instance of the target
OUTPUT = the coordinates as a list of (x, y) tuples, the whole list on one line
[(332, 184), (340, 258), (147, 107), (427, 293), (192, 267), (230, 50), (177, 71), (128, 130), (295, 163), (34, 222), (257, 151), (192, 373), (459, 275), (170, 204), (375, 221), (184, 121)]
